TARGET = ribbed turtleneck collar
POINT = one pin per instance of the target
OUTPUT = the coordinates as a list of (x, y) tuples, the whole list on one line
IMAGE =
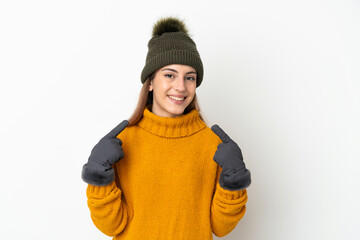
[(169, 127)]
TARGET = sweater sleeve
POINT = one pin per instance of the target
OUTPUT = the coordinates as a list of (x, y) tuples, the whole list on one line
[(227, 208), (108, 209)]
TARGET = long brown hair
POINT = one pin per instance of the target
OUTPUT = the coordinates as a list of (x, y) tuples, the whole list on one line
[(146, 99)]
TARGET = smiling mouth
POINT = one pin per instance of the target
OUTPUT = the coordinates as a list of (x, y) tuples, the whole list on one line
[(177, 98)]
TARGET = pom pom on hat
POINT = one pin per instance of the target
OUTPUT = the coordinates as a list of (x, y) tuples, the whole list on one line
[(170, 24)]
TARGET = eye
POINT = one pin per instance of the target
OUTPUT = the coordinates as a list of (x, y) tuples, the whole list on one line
[(169, 75), (190, 78)]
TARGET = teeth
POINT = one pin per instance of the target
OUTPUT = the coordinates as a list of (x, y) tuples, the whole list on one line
[(176, 98)]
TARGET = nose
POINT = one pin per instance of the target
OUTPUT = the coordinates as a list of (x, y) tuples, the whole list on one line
[(180, 84)]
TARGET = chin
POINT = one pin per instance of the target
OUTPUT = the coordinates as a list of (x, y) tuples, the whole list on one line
[(176, 110)]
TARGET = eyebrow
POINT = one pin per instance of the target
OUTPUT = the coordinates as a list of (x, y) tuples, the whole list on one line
[(173, 70)]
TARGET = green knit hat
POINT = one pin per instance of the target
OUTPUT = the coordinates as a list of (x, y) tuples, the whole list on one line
[(171, 44)]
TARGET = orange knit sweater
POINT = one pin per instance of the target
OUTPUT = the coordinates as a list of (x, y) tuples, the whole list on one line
[(166, 186)]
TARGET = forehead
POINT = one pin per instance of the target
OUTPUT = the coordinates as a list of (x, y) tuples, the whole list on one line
[(179, 68)]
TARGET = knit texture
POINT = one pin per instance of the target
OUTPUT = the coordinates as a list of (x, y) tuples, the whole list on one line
[(172, 48), (166, 186)]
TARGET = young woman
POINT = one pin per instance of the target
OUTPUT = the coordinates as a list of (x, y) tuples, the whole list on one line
[(164, 174)]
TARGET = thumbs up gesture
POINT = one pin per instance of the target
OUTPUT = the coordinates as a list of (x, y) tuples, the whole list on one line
[(234, 175), (98, 170)]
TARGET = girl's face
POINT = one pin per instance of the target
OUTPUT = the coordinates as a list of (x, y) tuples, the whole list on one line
[(173, 89)]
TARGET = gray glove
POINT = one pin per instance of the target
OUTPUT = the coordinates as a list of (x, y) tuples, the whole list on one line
[(234, 175), (98, 170)]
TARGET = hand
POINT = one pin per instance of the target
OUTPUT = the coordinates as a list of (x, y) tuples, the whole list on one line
[(98, 170), (234, 175)]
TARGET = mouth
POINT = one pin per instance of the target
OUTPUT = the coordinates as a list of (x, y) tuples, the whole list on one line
[(177, 100)]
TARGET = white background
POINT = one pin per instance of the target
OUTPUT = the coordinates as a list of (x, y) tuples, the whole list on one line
[(281, 78)]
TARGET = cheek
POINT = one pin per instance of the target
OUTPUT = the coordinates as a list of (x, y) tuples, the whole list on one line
[(192, 94), (160, 89), (192, 89), (164, 87)]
